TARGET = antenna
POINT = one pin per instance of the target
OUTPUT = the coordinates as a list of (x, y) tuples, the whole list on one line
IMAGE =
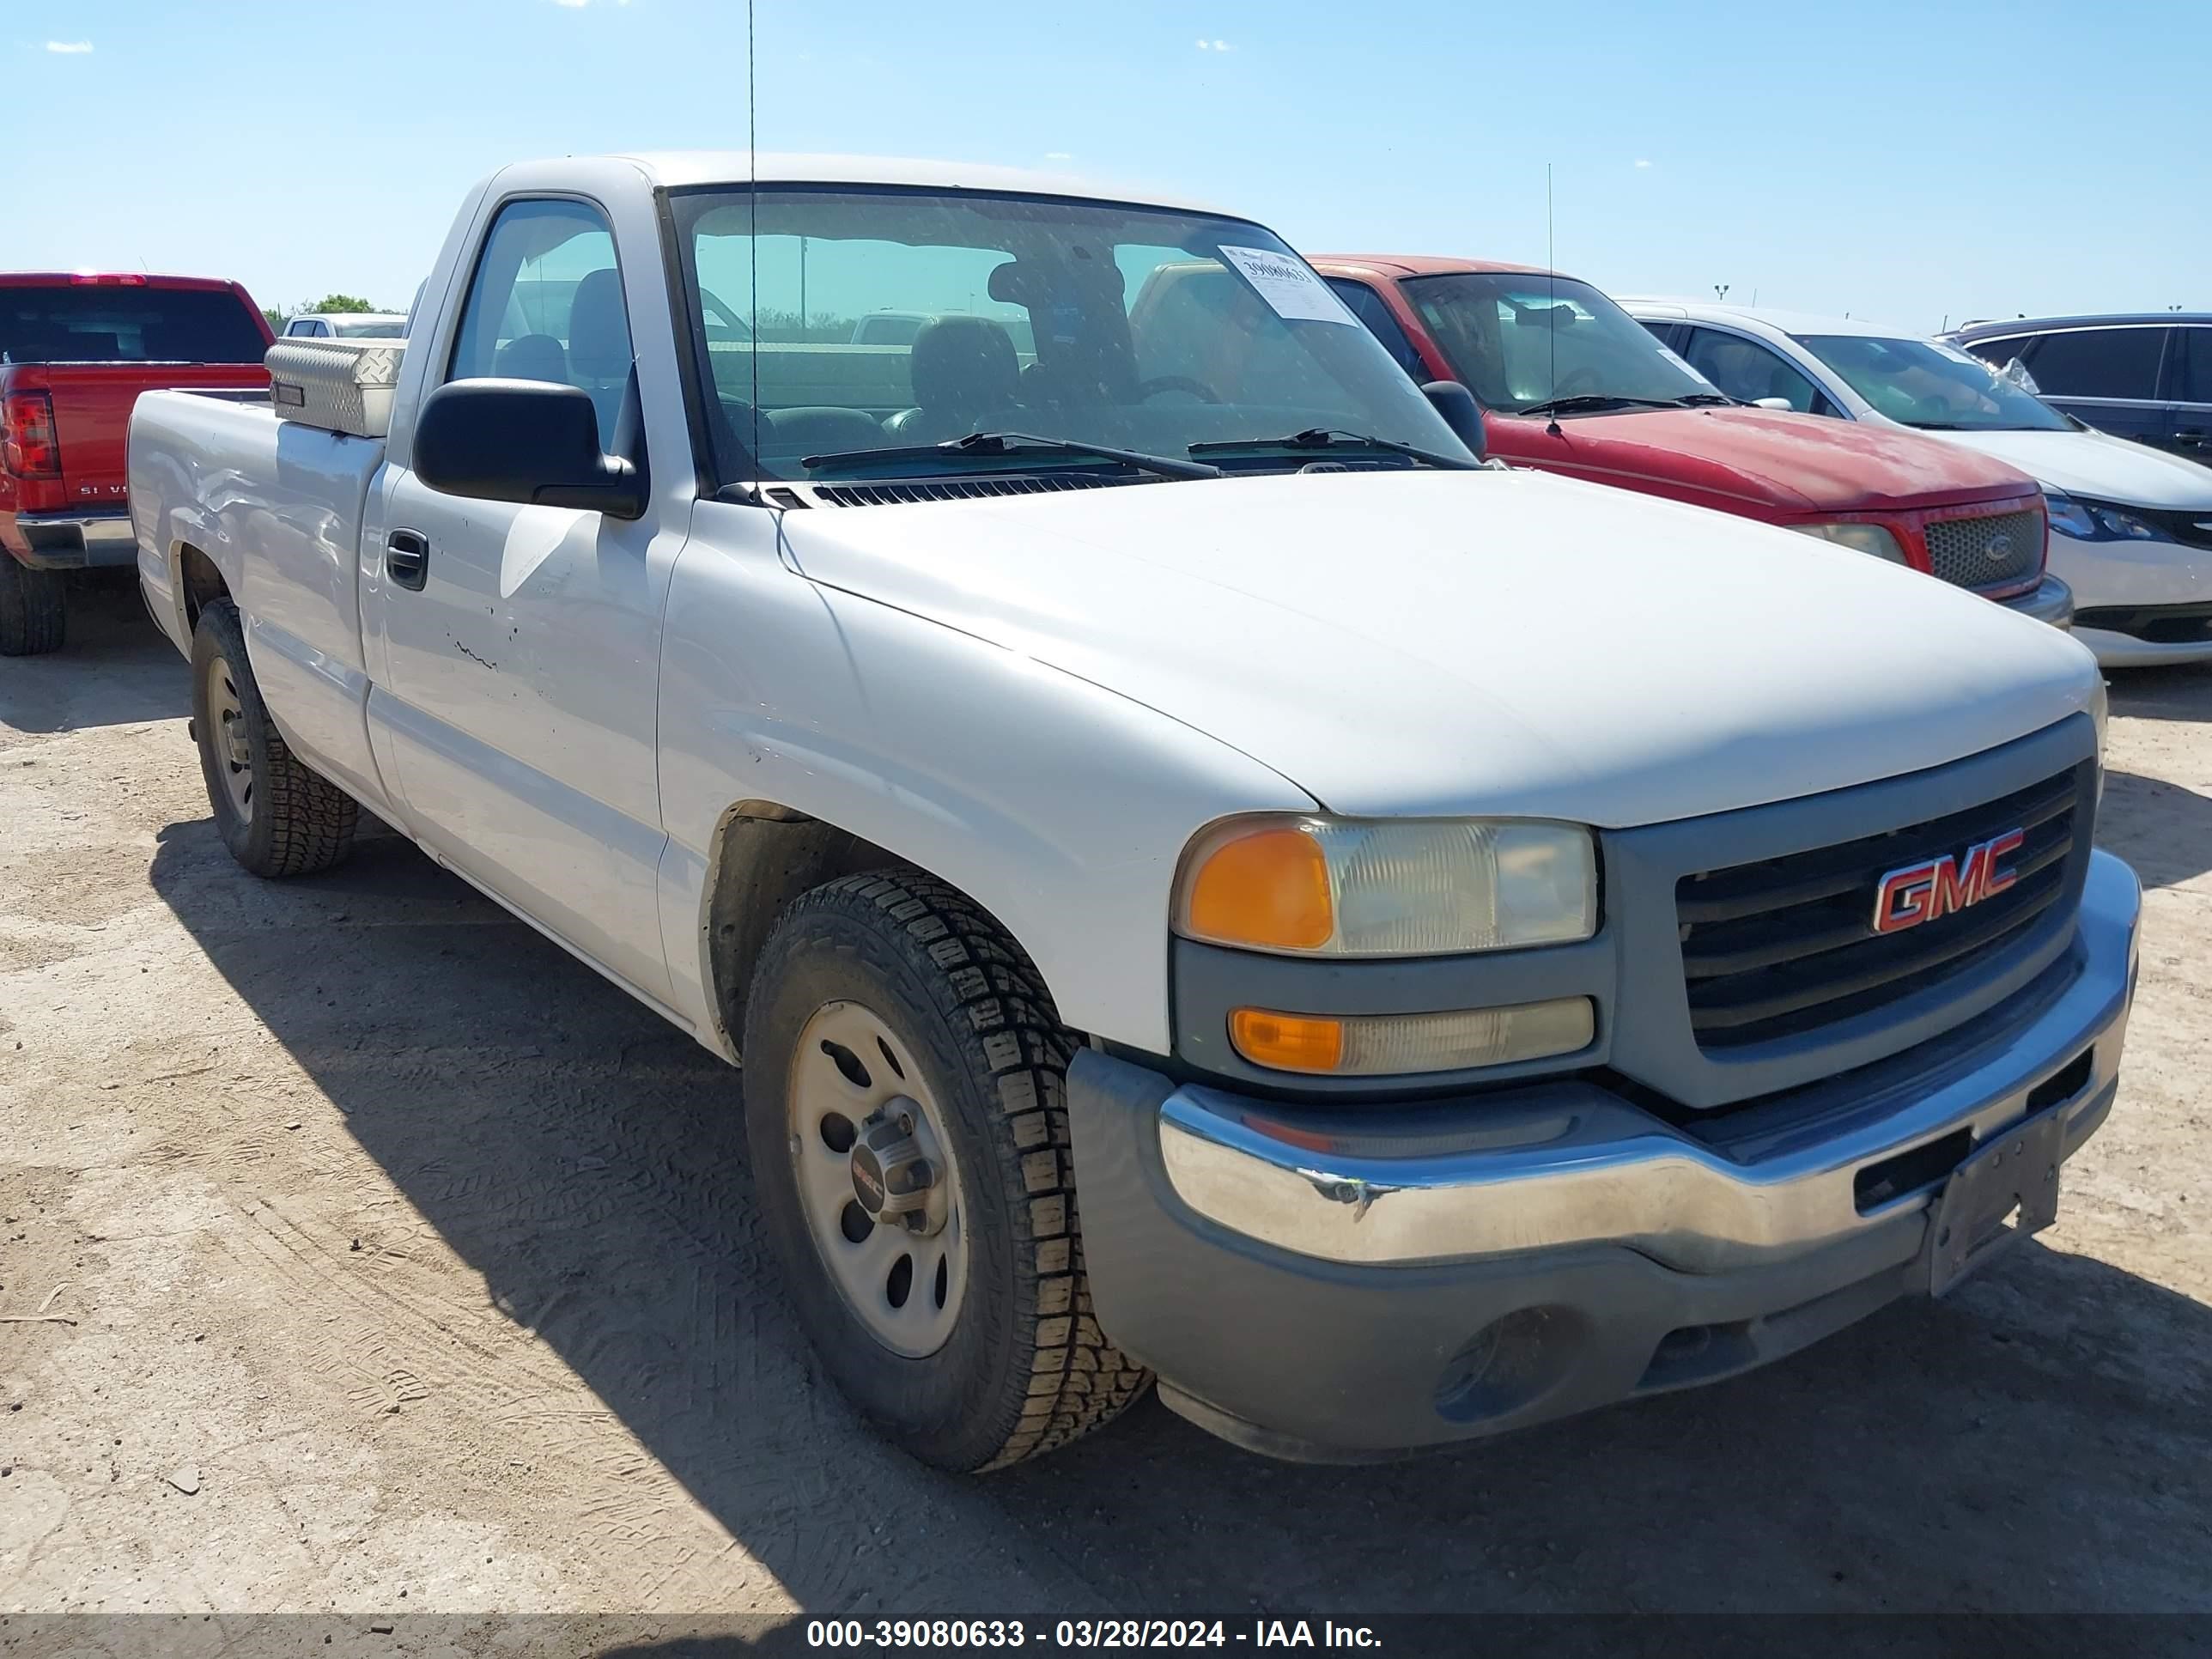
[(1552, 304), (752, 222)]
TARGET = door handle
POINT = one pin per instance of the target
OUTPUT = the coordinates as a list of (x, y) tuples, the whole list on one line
[(407, 558), (2192, 437)]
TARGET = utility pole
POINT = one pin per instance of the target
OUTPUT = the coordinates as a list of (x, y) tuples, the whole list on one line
[(1720, 290)]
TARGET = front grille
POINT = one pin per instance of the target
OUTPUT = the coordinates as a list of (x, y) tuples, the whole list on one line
[(2191, 529), (2153, 625), (1786, 945), (1989, 551)]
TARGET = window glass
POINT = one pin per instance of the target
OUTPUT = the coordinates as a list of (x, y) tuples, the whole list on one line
[(897, 319), (1932, 386), (1748, 371), (2099, 362), (2000, 351), (380, 328), (1369, 307), (1516, 340), (2195, 384), (546, 304), (126, 323)]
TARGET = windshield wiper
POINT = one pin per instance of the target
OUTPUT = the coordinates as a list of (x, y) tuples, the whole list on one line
[(1592, 402), (1331, 437), (1700, 400), (1014, 444)]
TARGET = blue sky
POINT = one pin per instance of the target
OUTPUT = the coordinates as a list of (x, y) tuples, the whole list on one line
[(1908, 163)]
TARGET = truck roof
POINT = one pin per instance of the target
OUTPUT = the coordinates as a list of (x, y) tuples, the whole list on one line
[(107, 278), (678, 169), (1423, 264)]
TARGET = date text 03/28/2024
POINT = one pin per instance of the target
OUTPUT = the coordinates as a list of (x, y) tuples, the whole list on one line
[(1086, 1633)]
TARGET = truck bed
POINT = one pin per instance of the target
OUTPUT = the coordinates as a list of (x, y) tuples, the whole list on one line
[(277, 508)]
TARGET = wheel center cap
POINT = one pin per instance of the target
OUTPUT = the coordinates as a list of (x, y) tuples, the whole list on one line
[(894, 1177), (868, 1180)]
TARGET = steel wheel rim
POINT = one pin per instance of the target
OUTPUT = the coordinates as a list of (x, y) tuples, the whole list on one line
[(901, 1308), (232, 756)]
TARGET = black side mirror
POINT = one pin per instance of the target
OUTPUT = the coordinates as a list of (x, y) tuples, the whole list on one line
[(528, 441), (1462, 414)]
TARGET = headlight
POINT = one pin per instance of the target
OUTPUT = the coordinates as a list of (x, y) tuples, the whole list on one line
[(1860, 538), (2098, 521), (1388, 887)]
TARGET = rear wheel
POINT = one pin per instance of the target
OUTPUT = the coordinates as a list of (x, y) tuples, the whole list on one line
[(905, 1076), (33, 611), (277, 816)]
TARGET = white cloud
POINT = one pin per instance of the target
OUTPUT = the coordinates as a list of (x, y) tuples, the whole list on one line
[(1213, 46), (1641, 162), (1058, 155), (69, 48), (573, 5)]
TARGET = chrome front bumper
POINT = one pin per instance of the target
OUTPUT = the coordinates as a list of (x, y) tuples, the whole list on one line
[(1573, 1164), (2049, 600)]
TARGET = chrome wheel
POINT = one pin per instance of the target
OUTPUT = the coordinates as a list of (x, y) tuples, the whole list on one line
[(870, 1160), (226, 736)]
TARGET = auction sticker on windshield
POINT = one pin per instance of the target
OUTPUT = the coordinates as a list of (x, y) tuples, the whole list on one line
[(1285, 283)]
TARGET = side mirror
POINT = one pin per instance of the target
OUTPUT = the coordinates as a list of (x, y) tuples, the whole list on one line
[(1460, 413), (527, 441), (1783, 403)]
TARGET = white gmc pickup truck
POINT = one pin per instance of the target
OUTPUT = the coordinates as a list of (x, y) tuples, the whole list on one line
[(1207, 878)]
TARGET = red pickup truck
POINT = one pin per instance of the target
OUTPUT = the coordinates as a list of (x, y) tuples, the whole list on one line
[(76, 350), (1570, 383)]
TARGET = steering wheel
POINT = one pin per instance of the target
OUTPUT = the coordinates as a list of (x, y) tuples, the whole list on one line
[(1584, 378), (1148, 390)]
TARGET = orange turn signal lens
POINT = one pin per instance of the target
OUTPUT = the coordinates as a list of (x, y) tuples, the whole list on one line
[(1266, 886), (1288, 1042)]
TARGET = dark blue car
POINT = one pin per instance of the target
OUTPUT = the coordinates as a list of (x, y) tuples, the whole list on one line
[(2146, 375)]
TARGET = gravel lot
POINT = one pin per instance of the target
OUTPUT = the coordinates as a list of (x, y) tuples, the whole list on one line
[(412, 1267)]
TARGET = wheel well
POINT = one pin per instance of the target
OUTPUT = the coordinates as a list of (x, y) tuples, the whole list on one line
[(201, 583), (765, 856)]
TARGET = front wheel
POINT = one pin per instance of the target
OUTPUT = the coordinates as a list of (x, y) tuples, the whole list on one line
[(904, 1104), (277, 816)]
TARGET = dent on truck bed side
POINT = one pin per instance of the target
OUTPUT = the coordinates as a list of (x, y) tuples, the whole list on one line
[(1059, 806)]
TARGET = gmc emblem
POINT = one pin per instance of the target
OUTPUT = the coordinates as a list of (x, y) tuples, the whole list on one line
[(1939, 887)]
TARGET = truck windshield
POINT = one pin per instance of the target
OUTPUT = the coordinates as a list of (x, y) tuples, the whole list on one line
[(1938, 388), (899, 319), (1519, 340), (103, 323)]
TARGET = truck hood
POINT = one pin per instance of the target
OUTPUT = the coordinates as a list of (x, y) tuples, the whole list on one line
[(1492, 642), (1774, 461), (2098, 465)]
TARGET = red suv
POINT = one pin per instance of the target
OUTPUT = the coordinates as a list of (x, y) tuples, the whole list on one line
[(1570, 383), (76, 350)]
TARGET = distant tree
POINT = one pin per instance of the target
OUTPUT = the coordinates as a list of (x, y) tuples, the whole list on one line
[(339, 302), (277, 317)]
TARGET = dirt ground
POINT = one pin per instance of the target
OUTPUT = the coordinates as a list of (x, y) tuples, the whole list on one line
[(412, 1267)]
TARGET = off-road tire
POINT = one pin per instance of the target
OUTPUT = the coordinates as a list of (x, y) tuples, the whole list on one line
[(33, 610), (1026, 1368), (301, 822)]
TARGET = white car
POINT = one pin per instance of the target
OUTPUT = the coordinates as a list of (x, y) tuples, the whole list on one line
[(346, 326), (1481, 945), (2131, 526)]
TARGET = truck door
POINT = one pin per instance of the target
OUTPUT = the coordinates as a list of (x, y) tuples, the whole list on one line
[(522, 645)]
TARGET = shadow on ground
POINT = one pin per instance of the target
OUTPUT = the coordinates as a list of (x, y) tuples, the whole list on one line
[(2162, 828), (2039, 1441), (117, 668)]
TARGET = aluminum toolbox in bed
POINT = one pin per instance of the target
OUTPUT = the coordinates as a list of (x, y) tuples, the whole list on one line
[(340, 385)]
